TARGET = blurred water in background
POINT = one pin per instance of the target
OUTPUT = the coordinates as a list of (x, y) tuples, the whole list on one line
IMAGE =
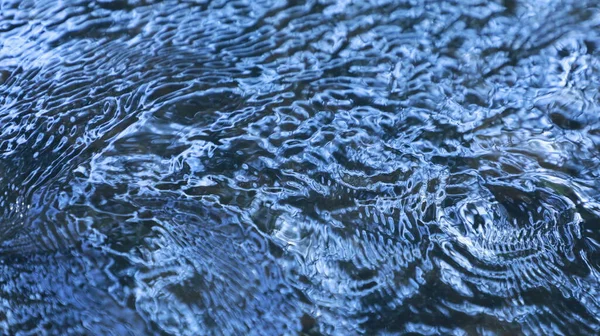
[(299, 167)]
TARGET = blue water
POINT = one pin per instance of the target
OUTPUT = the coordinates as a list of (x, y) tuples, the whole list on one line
[(299, 168)]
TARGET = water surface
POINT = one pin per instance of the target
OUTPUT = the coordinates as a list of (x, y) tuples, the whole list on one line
[(299, 168)]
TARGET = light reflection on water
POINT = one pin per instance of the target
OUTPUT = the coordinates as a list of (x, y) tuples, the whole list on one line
[(272, 167)]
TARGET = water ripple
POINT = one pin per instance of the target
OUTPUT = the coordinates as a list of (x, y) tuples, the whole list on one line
[(299, 168)]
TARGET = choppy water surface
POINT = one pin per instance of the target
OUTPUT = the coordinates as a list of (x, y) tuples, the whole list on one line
[(299, 168)]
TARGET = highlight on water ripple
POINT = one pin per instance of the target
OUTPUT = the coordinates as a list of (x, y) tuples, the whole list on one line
[(321, 167)]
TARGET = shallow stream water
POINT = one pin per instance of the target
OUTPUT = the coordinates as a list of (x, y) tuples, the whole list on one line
[(299, 167)]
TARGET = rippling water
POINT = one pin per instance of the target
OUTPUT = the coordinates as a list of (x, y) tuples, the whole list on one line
[(299, 168)]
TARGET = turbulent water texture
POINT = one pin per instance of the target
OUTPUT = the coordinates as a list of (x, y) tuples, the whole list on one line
[(299, 167)]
